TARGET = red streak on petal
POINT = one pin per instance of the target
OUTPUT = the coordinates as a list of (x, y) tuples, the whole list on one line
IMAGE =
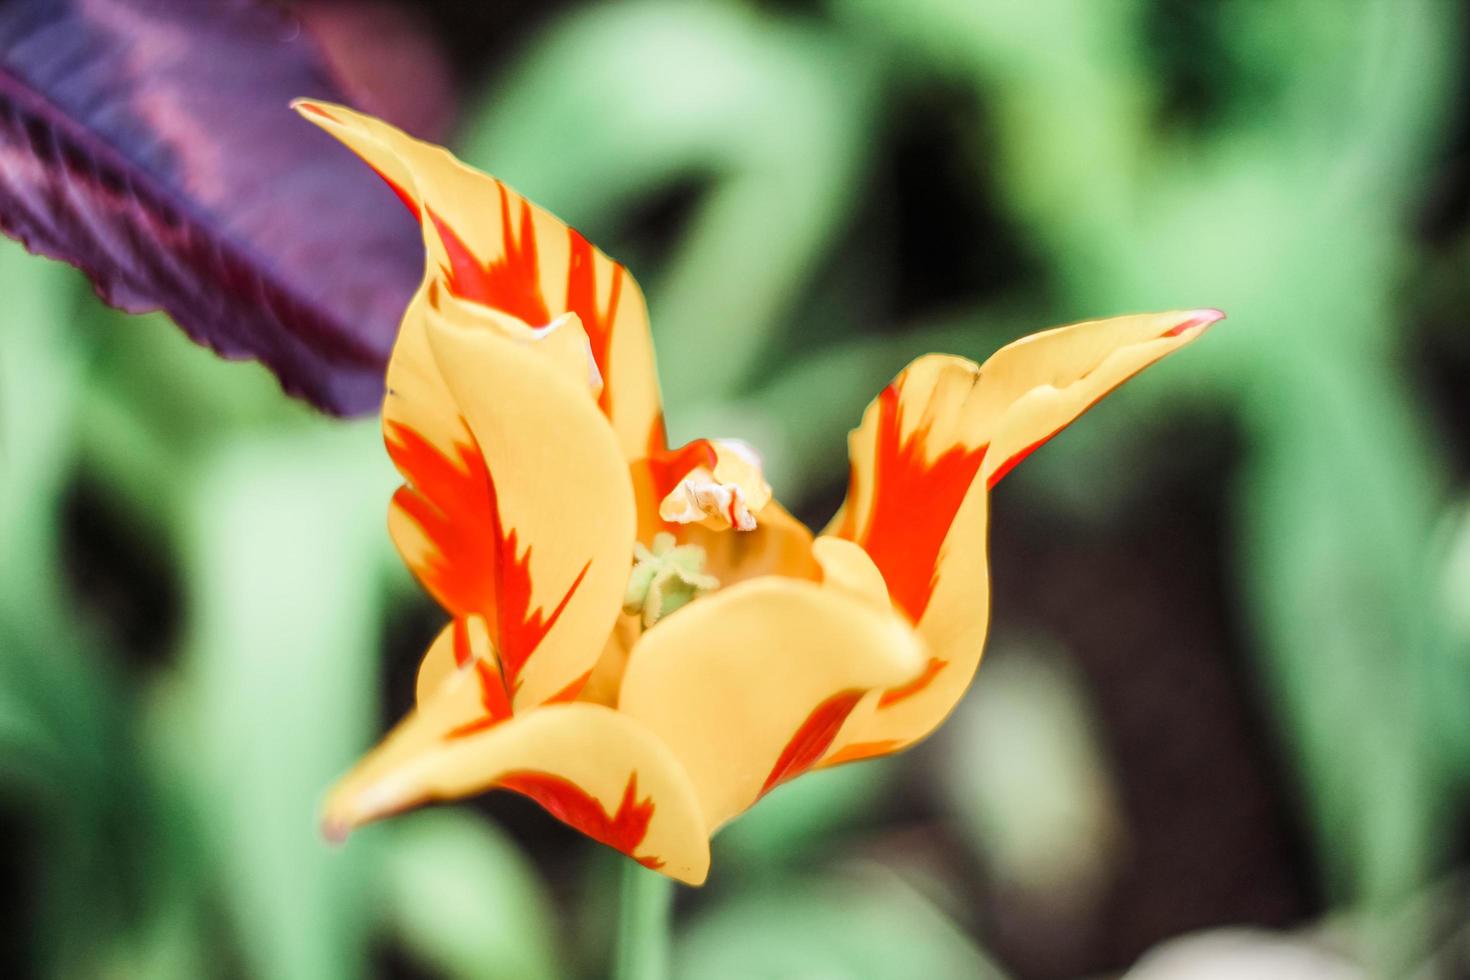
[(572, 691), (511, 283), (1201, 318), (316, 110), (492, 697), (574, 806), (897, 694), (446, 498), (914, 502), (1005, 468), (407, 199), (474, 564), (463, 653), (492, 691), (812, 739), (520, 627), (858, 751), (582, 300), (482, 724)]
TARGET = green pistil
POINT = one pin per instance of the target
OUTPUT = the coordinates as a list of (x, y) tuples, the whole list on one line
[(665, 577)]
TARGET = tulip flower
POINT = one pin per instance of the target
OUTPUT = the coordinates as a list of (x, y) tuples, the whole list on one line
[(642, 640)]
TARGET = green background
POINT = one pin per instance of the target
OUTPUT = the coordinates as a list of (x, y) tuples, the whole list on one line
[(1230, 658)]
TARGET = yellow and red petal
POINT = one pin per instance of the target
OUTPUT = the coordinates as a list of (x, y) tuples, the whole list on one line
[(587, 765), (448, 521), (914, 458), (542, 512), (463, 641), (440, 520), (749, 686), (489, 246), (928, 451)]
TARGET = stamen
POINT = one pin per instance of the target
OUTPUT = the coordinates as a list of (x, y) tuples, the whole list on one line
[(699, 496), (665, 577), (728, 496)]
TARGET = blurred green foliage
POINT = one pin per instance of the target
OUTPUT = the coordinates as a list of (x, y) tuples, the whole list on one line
[(166, 788)]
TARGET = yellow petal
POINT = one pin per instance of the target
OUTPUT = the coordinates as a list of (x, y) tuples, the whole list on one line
[(1037, 386), (544, 509), (607, 677), (848, 567), (455, 701), (562, 342), (587, 765), (779, 545), (923, 460), (490, 246), (748, 686)]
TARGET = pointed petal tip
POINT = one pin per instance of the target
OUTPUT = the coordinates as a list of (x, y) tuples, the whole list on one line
[(353, 804), (310, 107), (328, 115), (1197, 320), (335, 831)]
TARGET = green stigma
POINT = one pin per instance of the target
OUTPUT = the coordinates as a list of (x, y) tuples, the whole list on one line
[(665, 577)]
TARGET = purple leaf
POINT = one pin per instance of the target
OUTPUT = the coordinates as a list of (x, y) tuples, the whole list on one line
[(150, 144)]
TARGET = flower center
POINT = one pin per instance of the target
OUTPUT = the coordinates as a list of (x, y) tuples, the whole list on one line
[(665, 577), (727, 494)]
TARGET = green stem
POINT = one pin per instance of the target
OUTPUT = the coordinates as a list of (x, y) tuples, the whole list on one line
[(642, 951)]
